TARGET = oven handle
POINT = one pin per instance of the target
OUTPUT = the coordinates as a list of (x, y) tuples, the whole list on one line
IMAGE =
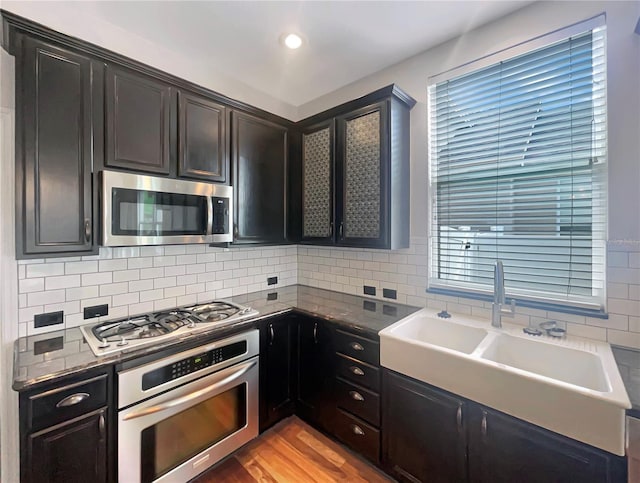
[(243, 368), (209, 215)]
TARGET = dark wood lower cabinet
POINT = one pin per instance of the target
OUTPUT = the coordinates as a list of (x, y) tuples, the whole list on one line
[(423, 432), (277, 370), (503, 449), (74, 451)]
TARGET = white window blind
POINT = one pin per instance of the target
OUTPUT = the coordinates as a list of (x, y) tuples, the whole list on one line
[(517, 172)]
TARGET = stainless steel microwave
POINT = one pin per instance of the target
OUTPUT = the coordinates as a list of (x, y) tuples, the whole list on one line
[(147, 210)]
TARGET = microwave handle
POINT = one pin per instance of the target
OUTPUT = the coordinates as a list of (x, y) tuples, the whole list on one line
[(209, 215)]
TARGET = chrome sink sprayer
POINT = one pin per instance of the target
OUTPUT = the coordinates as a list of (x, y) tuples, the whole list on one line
[(499, 298)]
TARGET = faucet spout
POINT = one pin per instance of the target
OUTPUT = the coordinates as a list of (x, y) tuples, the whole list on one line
[(499, 297)]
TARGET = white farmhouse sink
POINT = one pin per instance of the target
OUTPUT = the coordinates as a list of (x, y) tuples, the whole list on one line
[(437, 332), (569, 386)]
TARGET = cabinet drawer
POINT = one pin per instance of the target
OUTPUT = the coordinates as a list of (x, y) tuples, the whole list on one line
[(359, 401), (362, 437), (357, 347), (67, 402), (358, 372)]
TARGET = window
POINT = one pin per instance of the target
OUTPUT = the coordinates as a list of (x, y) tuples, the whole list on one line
[(517, 170)]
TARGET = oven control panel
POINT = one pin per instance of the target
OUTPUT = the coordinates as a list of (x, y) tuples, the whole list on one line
[(192, 364)]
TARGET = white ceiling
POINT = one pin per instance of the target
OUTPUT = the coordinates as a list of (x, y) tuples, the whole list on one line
[(344, 40)]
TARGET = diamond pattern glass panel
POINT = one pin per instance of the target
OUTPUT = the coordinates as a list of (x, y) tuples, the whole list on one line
[(317, 184), (362, 177)]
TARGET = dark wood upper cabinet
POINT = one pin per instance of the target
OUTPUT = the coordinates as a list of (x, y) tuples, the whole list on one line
[(259, 153), (202, 139), (317, 182), (367, 194), (138, 122), (55, 123)]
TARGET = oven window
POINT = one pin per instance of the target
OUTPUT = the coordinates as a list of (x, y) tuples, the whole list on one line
[(178, 438), (152, 213)]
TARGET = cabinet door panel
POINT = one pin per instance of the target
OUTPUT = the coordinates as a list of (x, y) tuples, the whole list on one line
[(504, 449), (54, 167), (70, 452), (277, 371), (317, 183), (363, 147), (424, 435), (138, 122), (202, 142), (259, 180)]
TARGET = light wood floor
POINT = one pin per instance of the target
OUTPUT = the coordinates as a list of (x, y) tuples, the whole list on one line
[(292, 452)]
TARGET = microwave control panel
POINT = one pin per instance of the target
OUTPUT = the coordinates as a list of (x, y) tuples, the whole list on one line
[(220, 215)]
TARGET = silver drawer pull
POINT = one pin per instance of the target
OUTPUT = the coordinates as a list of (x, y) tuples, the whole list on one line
[(356, 395), (357, 430), (356, 347), (357, 371), (72, 400)]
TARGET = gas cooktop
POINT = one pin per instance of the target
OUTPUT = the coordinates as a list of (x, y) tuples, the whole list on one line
[(147, 329)]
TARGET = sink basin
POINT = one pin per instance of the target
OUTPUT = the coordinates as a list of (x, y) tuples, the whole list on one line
[(565, 364), (425, 328), (570, 386)]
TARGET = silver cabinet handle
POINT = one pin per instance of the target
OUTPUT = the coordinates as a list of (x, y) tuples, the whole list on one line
[(270, 334), (87, 230), (483, 424), (72, 400), (356, 395), (356, 347), (341, 230), (315, 333), (357, 430), (459, 418), (101, 425), (357, 371), (209, 215)]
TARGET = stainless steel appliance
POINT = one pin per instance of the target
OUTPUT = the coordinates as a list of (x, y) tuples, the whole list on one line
[(179, 415), (147, 210), (130, 333)]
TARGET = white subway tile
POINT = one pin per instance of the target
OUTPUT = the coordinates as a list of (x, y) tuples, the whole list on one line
[(223, 256), (174, 291), (27, 314), (175, 250), (126, 299), (111, 265), (206, 258), (151, 251), (126, 252), (188, 299), (164, 261), (193, 269), (621, 306), (174, 271), (45, 270), (634, 292), (618, 259), (186, 259), (66, 307), (81, 293), (22, 300), (114, 288), (100, 278), (63, 281), (47, 297), (148, 295), (164, 304), (164, 282), (140, 308), (143, 262), (71, 268), (627, 339), (213, 286), (126, 275), (140, 285), (28, 285), (195, 288), (195, 249), (186, 279), (151, 273)]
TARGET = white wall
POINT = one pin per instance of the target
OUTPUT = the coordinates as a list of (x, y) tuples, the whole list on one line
[(623, 51), (8, 276), (67, 18)]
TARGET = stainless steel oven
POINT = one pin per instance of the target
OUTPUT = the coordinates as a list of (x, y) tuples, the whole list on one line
[(148, 210), (181, 414)]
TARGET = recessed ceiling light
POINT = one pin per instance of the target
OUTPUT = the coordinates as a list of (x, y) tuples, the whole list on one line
[(293, 41)]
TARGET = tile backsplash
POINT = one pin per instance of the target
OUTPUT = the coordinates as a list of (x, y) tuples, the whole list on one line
[(348, 270), (133, 280)]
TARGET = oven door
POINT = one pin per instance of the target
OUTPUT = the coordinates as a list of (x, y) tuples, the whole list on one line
[(147, 210), (179, 434)]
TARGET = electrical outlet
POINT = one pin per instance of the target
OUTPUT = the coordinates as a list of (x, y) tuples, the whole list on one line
[(47, 319), (369, 290), (389, 293), (272, 280), (96, 311)]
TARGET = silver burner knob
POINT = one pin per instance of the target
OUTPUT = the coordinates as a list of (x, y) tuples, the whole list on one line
[(123, 342), (104, 344)]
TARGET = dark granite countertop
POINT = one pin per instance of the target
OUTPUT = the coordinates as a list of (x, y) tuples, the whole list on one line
[(628, 361), (44, 357)]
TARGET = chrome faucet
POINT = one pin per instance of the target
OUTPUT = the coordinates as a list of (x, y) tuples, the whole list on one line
[(499, 298)]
